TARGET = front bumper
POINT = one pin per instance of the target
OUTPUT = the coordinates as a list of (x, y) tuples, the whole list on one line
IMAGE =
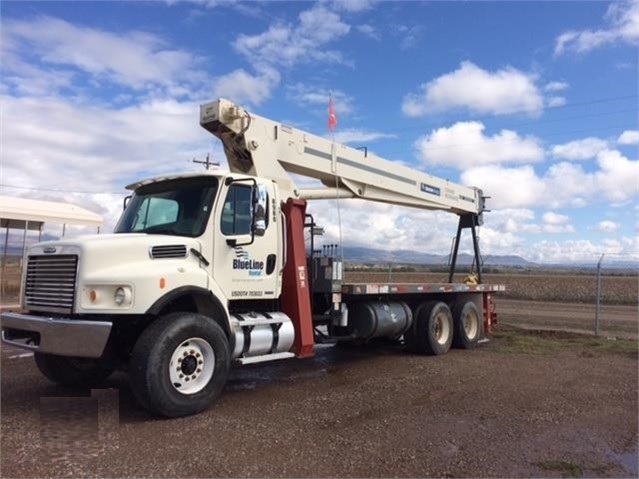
[(59, 336)]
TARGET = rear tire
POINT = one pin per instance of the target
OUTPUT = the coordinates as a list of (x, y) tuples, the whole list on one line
[(432, 329), (179, 364), (68, 371), (467, 323)]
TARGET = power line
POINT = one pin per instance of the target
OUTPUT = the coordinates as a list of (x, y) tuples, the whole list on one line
[(486, 118)]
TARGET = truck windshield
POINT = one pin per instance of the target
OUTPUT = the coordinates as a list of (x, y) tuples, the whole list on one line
[(175, 207)]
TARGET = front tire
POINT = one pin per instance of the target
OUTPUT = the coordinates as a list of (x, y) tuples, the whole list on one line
[(68, 371), (179, 364), (432, 329)]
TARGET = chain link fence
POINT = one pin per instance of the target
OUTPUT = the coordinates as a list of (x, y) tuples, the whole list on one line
[(598, 297)]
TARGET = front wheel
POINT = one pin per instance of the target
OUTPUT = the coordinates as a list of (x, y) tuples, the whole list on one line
[(179, 364), (69, 371)]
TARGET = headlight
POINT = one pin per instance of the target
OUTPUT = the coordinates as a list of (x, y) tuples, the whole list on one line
[(122, 295)]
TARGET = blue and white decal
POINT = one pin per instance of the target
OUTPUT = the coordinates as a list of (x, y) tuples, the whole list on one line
[(432, 190), (243, 261)]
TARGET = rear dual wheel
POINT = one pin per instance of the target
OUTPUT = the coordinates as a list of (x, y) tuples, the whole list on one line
[(467, 322), (432, 329)]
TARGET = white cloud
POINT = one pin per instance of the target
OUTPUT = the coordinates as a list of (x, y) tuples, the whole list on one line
[(49, 142), (629, 137), (507, 187), (389, 227), (583, 149), (618, 177), (563, 184), (607, 226), (283, 45), (244, 88), (567, 184), (469, 87), (465, 145), (287, 45), (310, 96), (555, 101), (556, 223), (521, 221), (384, 226), (555, 86), (409, 35), (134, 59), (353, 135), (369, 31), (353, 5), (582, 250), (623, 26), (554, 219)]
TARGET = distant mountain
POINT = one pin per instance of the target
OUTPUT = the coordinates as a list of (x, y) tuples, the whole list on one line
[(371, 255)]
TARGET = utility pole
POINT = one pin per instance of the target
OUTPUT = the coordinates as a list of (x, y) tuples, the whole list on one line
[(207, 162)]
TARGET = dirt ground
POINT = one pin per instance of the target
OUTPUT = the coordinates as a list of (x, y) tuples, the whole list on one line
[(524, 404)]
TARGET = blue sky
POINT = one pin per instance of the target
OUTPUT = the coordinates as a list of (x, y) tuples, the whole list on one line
[(534, 102)]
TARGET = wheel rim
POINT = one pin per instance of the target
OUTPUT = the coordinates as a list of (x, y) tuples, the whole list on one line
[(471, 325), (442, 328), (192, 365)]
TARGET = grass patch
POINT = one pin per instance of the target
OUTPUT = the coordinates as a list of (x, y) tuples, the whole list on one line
[(520, 341), (566, 469)]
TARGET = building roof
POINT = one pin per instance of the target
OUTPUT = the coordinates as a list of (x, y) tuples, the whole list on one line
[(16, 212)]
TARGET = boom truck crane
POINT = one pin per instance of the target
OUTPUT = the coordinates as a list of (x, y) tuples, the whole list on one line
[(209, 269)]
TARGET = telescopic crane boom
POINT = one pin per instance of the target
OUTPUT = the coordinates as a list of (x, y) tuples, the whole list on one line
[(257, 146)]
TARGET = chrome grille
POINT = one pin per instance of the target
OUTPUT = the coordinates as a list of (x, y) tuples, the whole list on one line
[(50, 282), (169, 251)]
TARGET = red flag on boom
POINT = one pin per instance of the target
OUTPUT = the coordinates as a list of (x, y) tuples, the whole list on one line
[(332, 118)]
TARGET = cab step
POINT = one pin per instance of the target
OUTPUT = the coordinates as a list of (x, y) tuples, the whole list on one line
[(263, 358)]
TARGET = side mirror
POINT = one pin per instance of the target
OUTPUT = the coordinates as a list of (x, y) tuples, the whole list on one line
[(126, 201), (260, 204)]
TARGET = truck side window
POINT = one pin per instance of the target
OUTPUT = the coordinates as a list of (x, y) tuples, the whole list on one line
[(236, 213)]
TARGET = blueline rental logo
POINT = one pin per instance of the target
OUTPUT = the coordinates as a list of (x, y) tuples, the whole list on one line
[(243, 261)]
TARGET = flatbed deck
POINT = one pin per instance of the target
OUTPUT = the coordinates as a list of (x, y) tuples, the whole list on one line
[(416, 288)]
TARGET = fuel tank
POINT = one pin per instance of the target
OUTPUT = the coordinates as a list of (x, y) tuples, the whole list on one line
[(257, 334), (368, 320)]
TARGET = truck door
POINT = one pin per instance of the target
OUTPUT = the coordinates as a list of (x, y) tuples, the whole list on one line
[(247, 261)]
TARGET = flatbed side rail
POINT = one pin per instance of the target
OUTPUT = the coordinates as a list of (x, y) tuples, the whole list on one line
[(364, 289)]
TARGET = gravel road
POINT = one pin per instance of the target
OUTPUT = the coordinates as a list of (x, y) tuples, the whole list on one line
[(374, 411)]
